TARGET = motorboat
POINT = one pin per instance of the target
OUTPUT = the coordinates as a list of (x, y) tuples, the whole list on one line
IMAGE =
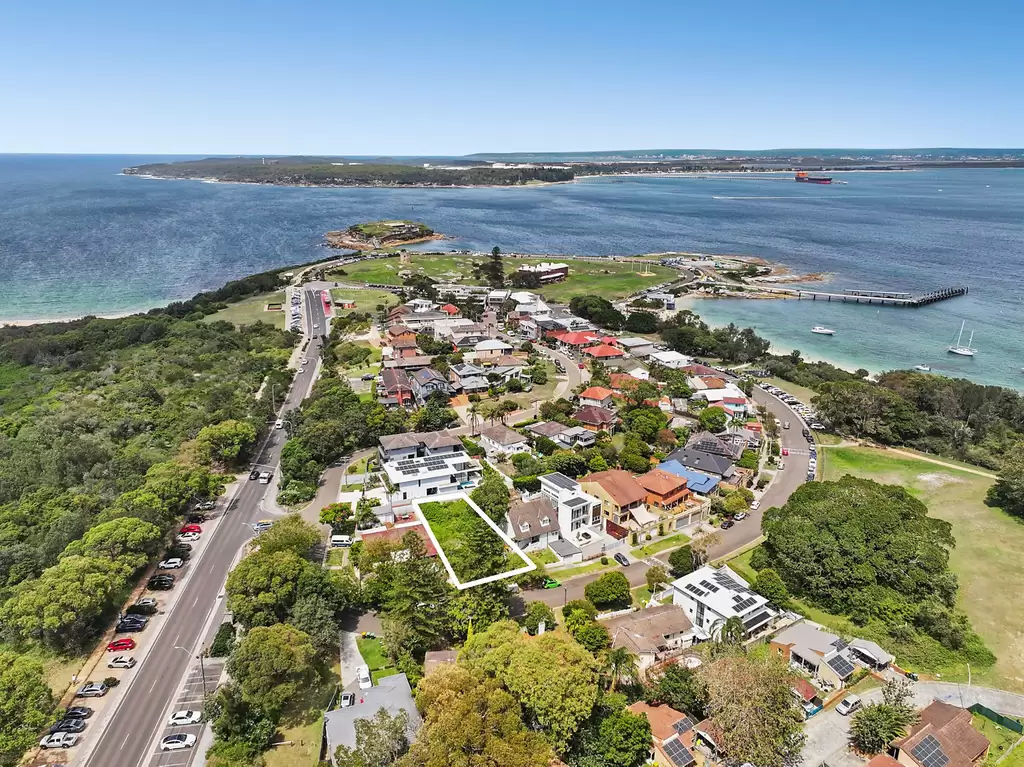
[(923, 368), (823, 331)]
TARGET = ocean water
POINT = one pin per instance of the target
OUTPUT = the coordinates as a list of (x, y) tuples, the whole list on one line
[(77, 238)]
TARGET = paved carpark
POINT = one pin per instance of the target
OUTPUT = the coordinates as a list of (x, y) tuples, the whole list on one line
[(189, 697)]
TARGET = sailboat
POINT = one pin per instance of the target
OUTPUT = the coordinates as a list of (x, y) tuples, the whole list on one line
[(959, 348)]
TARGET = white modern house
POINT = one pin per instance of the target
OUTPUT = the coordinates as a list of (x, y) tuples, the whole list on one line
[(712, 596), (671, 359), (424, 464), (579, 514)]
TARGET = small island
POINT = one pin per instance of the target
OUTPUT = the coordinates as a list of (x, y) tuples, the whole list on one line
[(381, 234)]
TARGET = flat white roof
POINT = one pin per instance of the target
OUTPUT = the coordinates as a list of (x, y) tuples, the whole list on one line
[(634, 342)]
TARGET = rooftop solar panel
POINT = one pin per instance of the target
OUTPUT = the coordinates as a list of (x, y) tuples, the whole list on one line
[(573, 502), (727, 582), (560, 480), (745, 604), (709, 586), (683, 725), (677, 753), (929, 752), (693, 589), (839, 644), (841, 666)]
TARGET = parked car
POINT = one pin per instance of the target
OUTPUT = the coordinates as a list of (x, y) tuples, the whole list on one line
[(128, 626), (191, 529), (122, 645), (348, 699), (160, 583), (145, 606), (59, 740), (551, 583), (78, 712), (621, 559), (848, 705), (196, 519), (174, 563), (740, 516), (187, 538), (363, 675), (727, 523), (92, 690), (74, 724), (177, 742), (368, 377), (179, 551), (207, 506), (182, 718), (121, 661)]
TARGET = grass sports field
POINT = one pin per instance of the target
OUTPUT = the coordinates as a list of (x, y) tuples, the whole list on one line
[(987, 556), (610, 280)]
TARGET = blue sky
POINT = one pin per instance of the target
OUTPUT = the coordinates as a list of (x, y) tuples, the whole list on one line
[(438, 77)]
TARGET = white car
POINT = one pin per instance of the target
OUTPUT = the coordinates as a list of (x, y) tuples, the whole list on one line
[(265, 477), (171, 564), (59, 740), (848, 705), (177, 742), (182, 718), (363, 675), (188, 537), (121, 661)]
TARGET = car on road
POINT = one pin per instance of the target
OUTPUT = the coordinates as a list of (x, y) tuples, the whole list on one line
[(59, 740), (782, 465), (122, 645), (73, 724), (279, 424), (316, 326), (92, 689), (848, 705), (182, 718), (265, 477), (173, 563), (254, 474), (78, 712), (727, 523), (121, 661), (363, 675), (581, 366), (785, 451), (741, 515), (191, 529), (621, 559), (551, 583), (263, 524), (177, 742), (161, 583), (785, 425), (348, 699)]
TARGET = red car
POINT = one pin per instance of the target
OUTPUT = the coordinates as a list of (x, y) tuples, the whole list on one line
[(582, 366), (121, 645), (191, 529), (784, 452)]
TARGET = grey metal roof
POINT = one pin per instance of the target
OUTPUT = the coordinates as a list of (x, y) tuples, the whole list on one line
[(560, 480), (701, 461), (430, 439), (392, 693), (574, 502), (563, 548)]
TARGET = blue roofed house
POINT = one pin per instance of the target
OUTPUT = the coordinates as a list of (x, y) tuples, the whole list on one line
[(703, 484)]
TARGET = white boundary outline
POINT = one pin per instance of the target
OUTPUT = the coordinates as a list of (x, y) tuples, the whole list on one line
[(530, 564)]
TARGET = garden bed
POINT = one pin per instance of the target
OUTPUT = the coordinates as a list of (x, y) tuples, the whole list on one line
[(473, 549)]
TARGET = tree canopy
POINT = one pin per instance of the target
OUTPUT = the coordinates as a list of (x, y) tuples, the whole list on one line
[(272, 665)]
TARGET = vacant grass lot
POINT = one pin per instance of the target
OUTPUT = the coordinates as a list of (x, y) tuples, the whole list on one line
[(454, 523), (251, 310), (611, 280), (303, 719), (802, 393), (1000, 738), (987, 558), (366, 300)]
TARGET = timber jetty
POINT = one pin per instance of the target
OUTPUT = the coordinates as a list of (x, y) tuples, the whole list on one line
[(890, 298)]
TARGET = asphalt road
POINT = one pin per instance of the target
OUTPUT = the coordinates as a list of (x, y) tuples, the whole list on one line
[(128, 740)]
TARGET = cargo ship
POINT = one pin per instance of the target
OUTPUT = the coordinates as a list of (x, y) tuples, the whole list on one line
[(802, 176)]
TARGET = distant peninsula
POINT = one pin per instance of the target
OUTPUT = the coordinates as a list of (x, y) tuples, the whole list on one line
[(381, 234), (324, 171)]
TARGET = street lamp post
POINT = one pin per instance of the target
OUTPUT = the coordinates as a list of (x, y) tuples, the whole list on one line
[(202, 666)]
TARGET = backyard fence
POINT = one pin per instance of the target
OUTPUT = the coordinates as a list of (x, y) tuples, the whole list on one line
[(1002, 721)]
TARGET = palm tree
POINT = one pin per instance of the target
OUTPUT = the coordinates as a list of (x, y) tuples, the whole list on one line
[(619, 663), (474, 409), (364, 516), (730, 632)]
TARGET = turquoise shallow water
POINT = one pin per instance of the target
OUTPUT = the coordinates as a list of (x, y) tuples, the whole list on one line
[(77, 238)]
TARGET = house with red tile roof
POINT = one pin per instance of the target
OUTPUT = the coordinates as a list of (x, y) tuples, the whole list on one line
[(665, 490), (622, 500), (604, 352), (597, 396), (670, 730), (596, 418), (451, 310), (941, 730), (576, 339)]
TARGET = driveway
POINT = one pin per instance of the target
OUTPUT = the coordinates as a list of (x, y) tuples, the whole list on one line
[(828, 732)]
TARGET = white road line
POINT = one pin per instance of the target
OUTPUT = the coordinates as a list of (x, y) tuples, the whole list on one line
[(125, 740), (154, 684)]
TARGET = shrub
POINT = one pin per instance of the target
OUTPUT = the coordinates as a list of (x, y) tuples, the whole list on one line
[(472, 448), (529, 483), (604, 560), (224, 642), (111, 681), (297, 492), (610, 590), (537, 613), (579, 605)]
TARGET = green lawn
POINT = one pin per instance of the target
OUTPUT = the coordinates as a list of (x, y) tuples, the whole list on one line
[(542, 392), (1000, 738), (987, 558), (376, 676), (610, 280), (252, 310), (373, 653), (641, 596), (366, 300), (657, 546), (336, 557), (455, 524), (572, 572), (543, 557)]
